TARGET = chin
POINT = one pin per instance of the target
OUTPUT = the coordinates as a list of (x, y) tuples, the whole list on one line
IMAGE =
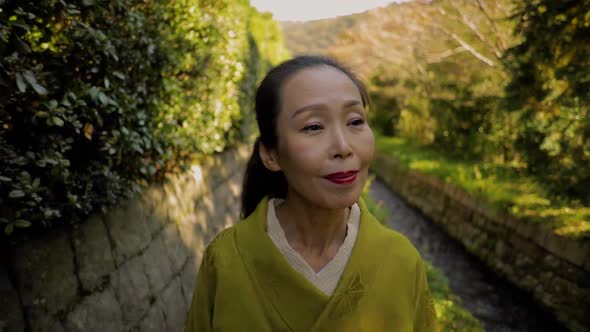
[(344, 201)]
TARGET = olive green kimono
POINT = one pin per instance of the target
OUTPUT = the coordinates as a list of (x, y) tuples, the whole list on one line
[(245, 284)]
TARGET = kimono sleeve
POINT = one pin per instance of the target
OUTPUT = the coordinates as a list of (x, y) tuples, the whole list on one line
[(424, 313), (200, 314)]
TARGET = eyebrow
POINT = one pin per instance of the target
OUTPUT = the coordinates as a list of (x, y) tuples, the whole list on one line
[(312, 107)]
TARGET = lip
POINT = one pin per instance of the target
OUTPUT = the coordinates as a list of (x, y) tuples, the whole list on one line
[(342, 177)]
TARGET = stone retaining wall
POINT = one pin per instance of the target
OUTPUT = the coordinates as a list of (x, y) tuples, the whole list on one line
[(554, 269), (131, 269)]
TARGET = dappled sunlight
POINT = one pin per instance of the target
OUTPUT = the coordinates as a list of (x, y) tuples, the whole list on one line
[(503, 187), (424, 165)]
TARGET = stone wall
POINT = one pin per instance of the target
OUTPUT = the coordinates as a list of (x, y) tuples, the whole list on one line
[(554, 269), (131, 269)]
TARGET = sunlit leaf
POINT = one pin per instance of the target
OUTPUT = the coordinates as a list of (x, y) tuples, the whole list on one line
[(57, 121), (88, 130)]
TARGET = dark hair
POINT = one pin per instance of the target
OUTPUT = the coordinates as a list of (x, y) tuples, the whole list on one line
[(259, 181)]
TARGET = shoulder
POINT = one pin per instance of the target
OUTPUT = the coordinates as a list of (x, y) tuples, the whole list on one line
[(222, 243)]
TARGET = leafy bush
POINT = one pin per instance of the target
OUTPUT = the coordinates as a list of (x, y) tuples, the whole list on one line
[(549, 92), (100, 98)]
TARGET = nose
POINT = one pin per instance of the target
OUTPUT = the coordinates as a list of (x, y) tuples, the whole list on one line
[(341, 144)]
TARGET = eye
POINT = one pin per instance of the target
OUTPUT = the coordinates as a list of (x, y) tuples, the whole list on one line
[(357, 122), (312, 127)]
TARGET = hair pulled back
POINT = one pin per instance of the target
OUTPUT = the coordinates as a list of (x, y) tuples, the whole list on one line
[(259, 181)]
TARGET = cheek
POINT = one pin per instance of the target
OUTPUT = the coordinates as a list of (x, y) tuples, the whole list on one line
[(300, 157), (366, 147)]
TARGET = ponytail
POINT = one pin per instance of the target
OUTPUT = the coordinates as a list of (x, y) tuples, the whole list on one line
[(259, 181)]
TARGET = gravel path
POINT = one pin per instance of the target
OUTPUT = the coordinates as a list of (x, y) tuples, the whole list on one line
[(499, 305)]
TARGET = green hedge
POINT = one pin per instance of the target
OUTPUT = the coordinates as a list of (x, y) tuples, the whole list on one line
[(100, 98)]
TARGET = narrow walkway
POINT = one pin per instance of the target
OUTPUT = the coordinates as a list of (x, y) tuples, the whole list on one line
[(499, 305)]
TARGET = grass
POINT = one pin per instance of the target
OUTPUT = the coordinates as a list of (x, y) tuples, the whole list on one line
[(501, 186), (451, 314)]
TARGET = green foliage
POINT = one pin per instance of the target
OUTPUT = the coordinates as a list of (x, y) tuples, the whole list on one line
[(100, 98), (314, 37), (500, 185), (451, 314), (550, 92)]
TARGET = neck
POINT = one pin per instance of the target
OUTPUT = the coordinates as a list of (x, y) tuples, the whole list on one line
[(310, 229)]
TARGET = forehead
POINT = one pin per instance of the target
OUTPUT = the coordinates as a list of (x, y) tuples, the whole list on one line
[(321, 85)]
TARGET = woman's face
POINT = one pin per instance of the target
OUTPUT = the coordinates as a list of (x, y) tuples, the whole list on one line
[(322, 129)]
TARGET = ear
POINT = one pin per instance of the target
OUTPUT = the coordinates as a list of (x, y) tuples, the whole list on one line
[(269, 158)]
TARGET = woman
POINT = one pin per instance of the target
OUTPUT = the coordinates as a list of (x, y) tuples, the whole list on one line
[(309, 256)]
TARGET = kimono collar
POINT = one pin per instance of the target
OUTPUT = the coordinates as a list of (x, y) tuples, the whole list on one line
[(300, 304)]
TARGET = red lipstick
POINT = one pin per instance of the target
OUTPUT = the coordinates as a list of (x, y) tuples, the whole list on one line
[(342, 177)]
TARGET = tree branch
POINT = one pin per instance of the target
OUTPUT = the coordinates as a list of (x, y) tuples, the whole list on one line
[(470, 49)]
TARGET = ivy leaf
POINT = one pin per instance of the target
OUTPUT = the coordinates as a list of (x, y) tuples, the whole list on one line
[(20, 83), (119, 75), (22, 47), (5, 179), (88, 130), (42, 114), (21, 223), (103, 98), (9, 229), (30, 78), (57, 121), (93, 92), (16, 194)]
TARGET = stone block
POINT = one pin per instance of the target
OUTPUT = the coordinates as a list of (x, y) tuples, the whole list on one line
[(222, 195), (173, 305), (177, 251), (235, 188), (93, 252), (11, 313), (41, 321), (565, 248), (539, 235), (189, 229), (131, 286), (188, 279), (155, 222), (551, 262), (525, 247), (501, 250), (45, 271), (155, 321), (128, 229), (157, 265), (150, 197), (587, 262), (576, 250), (575, 274), (98, 312)]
